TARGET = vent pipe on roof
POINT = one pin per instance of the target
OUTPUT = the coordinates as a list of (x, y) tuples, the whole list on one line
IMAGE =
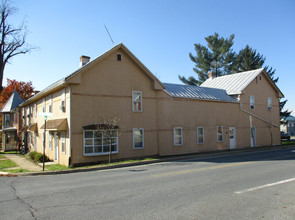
[(84, 60), (211, 75)]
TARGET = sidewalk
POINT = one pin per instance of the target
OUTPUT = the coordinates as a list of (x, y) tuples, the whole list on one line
[(23, 163)]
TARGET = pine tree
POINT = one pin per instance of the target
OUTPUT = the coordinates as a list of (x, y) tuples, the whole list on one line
[(249, 59), (283, 114), (217, 57)]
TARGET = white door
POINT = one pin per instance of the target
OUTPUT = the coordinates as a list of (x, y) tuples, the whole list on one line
[(232, 137), (55, 146), (253, 137)]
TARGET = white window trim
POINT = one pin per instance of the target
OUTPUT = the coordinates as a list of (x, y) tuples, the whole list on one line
[(44, 105), (63, 100), (98, 154), (31, 110), (50, 104), (7, 116), (50, 137), (174, 136), (24, 117), (141, 129), (221, 133), (198, 141), (269, 103), (252, 96), (35, 109), (63, 141), (133, 96)]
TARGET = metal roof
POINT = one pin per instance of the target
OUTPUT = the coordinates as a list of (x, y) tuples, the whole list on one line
[(234, 83), (290, 118), (13, 101), (197, 92)]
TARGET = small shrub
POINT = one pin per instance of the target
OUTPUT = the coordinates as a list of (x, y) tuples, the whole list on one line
[(38, 157)]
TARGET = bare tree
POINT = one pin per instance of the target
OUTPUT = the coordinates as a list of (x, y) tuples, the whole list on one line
[(110, 131), (12, 39)]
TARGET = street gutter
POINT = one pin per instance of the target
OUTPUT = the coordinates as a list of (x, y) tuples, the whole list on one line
[(167, 158)]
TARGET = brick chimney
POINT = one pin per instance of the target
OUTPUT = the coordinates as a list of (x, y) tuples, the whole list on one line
[(84, 60), (211, 75)]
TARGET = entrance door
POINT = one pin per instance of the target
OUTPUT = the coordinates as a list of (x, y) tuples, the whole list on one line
[(253, 137), (56, 146), (232, 137)]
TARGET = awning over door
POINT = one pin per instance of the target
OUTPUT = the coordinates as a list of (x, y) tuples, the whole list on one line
[(24, 129), (33, 127), (100, 126), (56, 125), (9, 129)]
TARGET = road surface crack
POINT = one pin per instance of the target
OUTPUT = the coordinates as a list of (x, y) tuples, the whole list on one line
[(30, 208)]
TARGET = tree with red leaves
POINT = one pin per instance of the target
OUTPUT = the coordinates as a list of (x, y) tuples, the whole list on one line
[(24, 89)]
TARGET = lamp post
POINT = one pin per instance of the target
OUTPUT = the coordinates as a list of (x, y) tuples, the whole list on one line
[(45, 114)]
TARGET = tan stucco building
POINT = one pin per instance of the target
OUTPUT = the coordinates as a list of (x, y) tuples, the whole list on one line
[(236, 111)]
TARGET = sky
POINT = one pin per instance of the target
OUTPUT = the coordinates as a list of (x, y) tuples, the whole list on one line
[(160, 33)]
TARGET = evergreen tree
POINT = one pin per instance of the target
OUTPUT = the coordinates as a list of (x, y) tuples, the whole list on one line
[(248, 59), (217, 57), (283, 114)]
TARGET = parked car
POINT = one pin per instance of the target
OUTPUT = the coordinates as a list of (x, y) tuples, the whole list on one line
[(285, 136)]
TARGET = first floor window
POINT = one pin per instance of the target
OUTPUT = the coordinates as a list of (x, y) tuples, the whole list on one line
[(177, 136), (98, 142), (50, 140), (63, 142), (200, 135), (219, 133), (138, 138)]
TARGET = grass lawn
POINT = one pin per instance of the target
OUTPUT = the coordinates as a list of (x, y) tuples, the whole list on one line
[(115, 163), (288, 142), (18, 171), (2, 156), (55, 167), (7, 164)]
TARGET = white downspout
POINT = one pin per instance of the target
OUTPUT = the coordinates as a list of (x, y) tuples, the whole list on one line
[(255, 116), (70, 130)]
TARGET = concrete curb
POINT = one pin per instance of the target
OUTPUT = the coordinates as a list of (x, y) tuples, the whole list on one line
[(163, 159)]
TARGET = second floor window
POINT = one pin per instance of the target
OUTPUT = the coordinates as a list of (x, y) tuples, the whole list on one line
[(50, 103), (35, 107), (7, 120), (24, 116), (269, 103), (136, 101), (252, 102), (63, 101), (44, 105)]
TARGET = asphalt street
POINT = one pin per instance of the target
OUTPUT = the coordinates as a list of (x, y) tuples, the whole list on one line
[(252, 185)]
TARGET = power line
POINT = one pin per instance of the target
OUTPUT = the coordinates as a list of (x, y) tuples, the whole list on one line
[(109, 33)]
